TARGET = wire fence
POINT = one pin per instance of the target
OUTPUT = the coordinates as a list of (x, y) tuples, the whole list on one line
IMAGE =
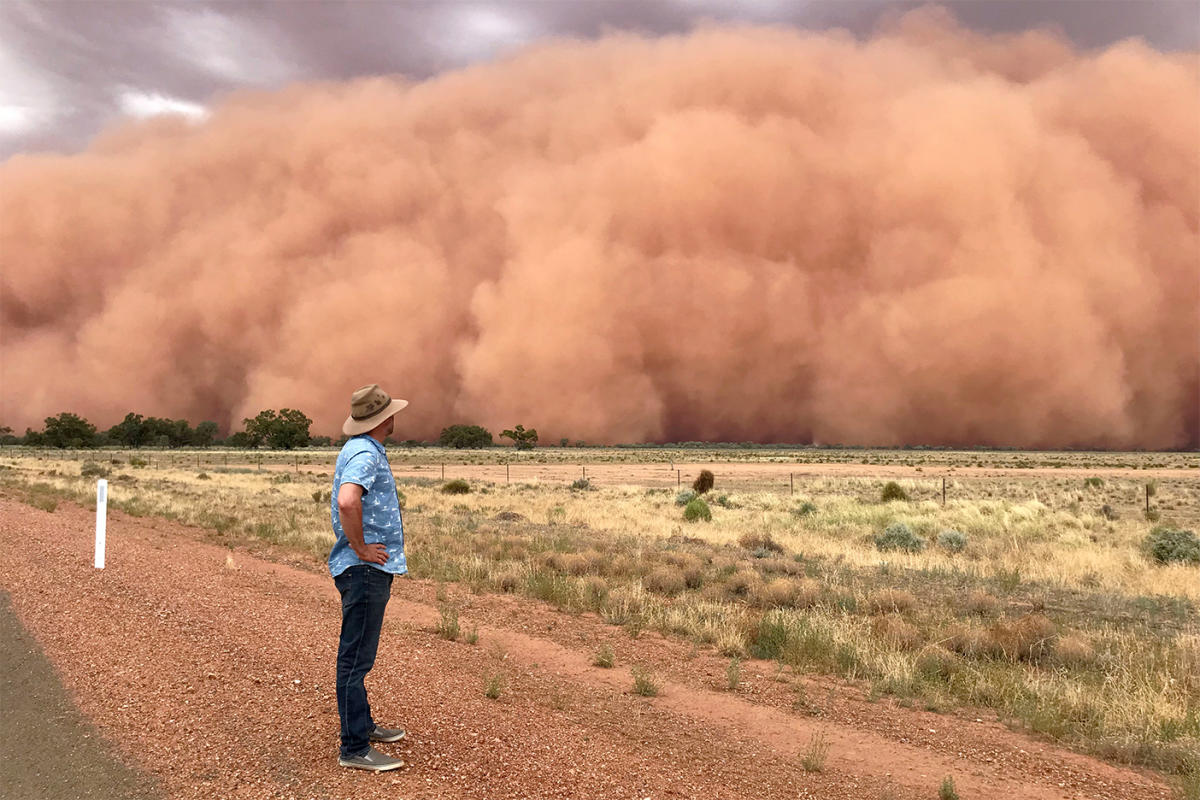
[(939, 483)]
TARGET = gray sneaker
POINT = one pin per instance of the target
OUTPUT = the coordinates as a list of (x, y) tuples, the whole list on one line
[(387, 734), (372, 760)]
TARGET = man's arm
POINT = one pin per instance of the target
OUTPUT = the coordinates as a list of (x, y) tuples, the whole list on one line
[(349, 501)]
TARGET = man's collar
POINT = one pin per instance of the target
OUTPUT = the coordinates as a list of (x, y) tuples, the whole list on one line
[(378, 446)]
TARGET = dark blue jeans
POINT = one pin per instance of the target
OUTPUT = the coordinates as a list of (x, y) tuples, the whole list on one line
[(365, 592)]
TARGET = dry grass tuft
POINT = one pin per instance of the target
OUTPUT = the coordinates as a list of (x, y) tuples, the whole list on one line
[(760, 540), (937, 662), (665, 580), (896, 632), (508, 579), (1030, 638), (982, 604), (787, 593), (1074, 650), (972, 642), (891, 601), (742, 583)]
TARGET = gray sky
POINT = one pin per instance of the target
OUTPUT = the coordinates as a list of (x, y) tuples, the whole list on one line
[(69, 68)]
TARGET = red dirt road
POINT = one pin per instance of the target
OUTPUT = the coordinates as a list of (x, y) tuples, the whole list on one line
[(216, 675)]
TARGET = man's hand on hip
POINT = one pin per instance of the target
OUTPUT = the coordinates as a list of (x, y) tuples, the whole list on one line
[(372, 553)]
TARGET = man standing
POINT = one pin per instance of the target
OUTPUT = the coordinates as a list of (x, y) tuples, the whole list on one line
[(368, 552)]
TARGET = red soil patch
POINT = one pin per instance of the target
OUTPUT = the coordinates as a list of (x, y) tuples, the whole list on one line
[(219, 680)]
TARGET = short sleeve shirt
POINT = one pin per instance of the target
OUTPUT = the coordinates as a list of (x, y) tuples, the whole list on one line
[(364, 461)]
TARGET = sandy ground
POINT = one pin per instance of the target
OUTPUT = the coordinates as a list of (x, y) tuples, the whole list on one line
[(214, 671)]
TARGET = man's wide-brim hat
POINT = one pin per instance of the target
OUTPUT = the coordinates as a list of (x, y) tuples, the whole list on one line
[(370, 406)]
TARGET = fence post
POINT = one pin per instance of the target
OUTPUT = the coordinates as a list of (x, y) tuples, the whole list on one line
[(678, 478), (943, 490), (792, 482), (443, 470), (506, 472)]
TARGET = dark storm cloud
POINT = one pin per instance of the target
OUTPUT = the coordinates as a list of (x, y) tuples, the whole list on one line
[(68, 69)]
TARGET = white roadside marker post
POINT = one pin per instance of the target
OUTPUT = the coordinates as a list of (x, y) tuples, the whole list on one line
[(101, 520)]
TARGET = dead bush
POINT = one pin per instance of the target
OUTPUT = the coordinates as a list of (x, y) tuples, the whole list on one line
[(937, 662), (508, 579), (891, 601), (787, 593), (595, 589), (760, 540), (742, 583), (783, 566), (1074, 650), (665, 580), (982, 604), (896, 632), (619, 565), (972, 642), (1030, 638)]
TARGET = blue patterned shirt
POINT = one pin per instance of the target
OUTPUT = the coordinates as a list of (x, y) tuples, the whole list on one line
[(363, 461)]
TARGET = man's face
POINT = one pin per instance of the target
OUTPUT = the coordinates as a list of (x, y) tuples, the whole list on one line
[(389, 426)]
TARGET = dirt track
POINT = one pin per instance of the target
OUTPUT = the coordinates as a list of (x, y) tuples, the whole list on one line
[(218, 673)]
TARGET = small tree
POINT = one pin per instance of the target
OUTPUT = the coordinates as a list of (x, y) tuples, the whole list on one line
[(703, 482), (69, 430), (130, 432), (239, 439), (522, 439), (204, 434), (465, 436), (258, 427), (289, 430)]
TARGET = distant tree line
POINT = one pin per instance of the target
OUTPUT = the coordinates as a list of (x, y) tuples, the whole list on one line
[(282, 429)]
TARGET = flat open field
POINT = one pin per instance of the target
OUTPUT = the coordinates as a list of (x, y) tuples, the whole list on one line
[(1038, 652)]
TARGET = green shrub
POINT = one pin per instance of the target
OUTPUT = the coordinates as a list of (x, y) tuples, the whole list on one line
[(203, 476), (703, 482), (899, 536), (1093, 483), (447, 626), (952, 541), (804, 509), (813, 759), (465, 436), (893, 491), (494, 686), (604, 657), (684, 497), (581, 484), (456, 486), (1167, 546), (697, 510), (947, 790), (644, 683), (134, 461), (733, 673)]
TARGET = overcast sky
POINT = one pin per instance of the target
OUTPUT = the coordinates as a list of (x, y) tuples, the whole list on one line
[(69, 68)]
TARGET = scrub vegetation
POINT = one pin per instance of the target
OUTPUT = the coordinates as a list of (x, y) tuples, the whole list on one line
[(1020, 597)]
